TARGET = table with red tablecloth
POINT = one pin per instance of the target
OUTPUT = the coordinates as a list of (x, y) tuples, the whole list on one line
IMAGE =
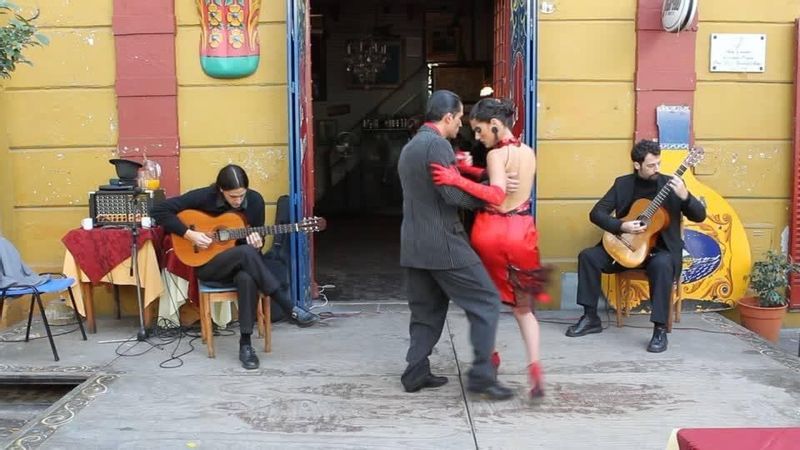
[(739, 438), (103, 255)]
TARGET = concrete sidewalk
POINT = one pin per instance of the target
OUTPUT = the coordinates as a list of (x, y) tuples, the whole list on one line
[(337, 386)]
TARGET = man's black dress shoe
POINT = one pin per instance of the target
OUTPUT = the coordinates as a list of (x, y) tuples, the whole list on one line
[(658, 343), (248, 357), (586, 325), (303, 318), (431, 381), (495, 391)]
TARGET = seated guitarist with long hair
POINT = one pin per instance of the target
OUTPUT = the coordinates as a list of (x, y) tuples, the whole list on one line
[(662, 265), (242, 264)]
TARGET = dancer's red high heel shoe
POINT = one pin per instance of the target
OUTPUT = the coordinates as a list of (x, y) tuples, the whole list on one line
[(536, 379), (495, 363)]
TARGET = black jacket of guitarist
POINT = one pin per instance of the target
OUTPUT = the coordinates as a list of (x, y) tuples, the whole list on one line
[(619, 199), (211, 201)]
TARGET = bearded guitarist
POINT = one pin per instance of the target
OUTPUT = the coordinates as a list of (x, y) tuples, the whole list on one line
[(242, 264), (662, 264)]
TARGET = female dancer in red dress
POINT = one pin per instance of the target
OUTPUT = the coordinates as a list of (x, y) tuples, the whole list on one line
[(504, 234)]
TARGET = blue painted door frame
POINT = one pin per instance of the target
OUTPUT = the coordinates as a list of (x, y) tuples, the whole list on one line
[(299, 119), (524, 33)]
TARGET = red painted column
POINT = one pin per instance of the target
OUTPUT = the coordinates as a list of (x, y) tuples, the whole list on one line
[(147, 86), (665, 68), (794, 220)]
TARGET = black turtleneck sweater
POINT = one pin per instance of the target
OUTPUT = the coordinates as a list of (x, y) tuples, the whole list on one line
[(647, 189), (644, 188)]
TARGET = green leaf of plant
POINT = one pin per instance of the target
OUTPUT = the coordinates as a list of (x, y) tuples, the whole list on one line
[(16, 35)]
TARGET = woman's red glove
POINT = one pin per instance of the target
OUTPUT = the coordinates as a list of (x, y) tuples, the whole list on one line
[(450, 176), (475, 173), (464, 164)]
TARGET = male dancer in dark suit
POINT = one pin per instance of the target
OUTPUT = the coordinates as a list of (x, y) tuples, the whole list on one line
[(663, 266), (439, 261)]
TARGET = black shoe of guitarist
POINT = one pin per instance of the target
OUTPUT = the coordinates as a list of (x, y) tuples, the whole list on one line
[(588, 324)]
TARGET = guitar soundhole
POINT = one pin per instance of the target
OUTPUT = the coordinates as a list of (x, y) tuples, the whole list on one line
[(223, 235)]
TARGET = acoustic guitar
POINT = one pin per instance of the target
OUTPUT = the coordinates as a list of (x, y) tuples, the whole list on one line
[(630, 250), (225, 229)]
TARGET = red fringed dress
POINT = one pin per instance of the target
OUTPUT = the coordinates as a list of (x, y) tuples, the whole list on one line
[(508, 245)]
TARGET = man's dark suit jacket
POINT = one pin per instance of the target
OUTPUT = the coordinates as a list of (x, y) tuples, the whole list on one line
[(619, 199), (432, 235)]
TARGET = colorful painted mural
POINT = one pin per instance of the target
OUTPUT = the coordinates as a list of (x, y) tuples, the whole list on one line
[(229, 41)]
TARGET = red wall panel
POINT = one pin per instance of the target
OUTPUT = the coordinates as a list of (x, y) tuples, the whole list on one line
[(146, 85)]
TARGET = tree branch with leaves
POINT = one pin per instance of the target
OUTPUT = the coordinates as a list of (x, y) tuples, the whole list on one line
[(17, 33)]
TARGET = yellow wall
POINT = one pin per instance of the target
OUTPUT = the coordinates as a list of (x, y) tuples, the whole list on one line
[(61, 126), (59, 122), (240, 121), (61, 119), (744, 121), (586, 120)]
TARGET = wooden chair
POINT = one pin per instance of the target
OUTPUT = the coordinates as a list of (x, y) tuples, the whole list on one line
[(210, 294), (628, 277)]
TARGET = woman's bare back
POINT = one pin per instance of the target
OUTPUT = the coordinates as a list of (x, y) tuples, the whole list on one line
[(519, 159)]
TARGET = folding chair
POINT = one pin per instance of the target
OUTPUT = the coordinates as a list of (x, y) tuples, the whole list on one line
[(53, 285)]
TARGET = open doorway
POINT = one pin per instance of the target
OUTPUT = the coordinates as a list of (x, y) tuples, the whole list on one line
[(363, 117)]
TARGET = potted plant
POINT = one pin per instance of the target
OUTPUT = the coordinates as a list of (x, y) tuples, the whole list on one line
[(17, 33), (763, 313)]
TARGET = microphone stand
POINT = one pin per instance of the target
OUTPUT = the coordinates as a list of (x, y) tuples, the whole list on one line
[(142, 334)]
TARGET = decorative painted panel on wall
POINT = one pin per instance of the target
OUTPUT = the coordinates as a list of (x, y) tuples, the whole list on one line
[(229, 40)]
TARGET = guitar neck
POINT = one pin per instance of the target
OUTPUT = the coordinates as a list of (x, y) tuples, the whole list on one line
[(241, 233), (663, 194)]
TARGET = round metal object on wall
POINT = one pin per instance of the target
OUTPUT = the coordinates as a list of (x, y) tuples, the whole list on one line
[(677, 15), (690, 17)]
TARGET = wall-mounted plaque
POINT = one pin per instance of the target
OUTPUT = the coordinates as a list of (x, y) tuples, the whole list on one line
[(738, 52)]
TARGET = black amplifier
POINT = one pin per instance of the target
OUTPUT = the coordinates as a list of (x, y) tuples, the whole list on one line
[(122, 207)]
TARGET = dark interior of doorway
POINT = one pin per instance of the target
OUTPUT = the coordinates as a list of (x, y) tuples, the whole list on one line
[(360, 127)]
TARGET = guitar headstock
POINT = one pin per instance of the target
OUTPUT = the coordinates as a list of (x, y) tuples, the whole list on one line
[(696, 154), (312, 224)]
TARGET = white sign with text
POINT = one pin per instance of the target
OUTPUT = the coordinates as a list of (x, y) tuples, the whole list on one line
[(738, 52)]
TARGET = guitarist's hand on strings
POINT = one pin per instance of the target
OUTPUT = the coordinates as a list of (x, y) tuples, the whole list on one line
[(254, 239), (200, 240), (633, 227), (679, 187)]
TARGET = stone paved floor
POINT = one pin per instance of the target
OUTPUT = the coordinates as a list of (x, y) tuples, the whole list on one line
[(337, 386)]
